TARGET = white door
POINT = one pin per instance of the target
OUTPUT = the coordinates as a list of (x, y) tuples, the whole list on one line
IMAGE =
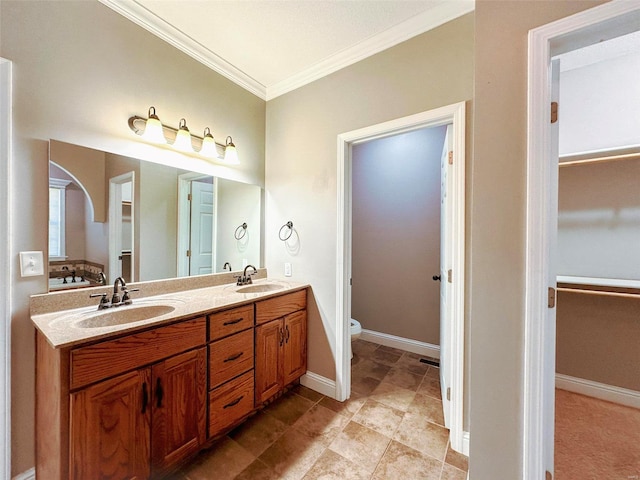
[(446, 236), (201, 260)]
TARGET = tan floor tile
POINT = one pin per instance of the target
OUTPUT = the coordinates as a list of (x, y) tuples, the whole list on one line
[(452, 473), (456, 459), (402, 378), (331, 466), (289, 408), (393, 396), (223, 461), (321, 424), (411, 363), (386, 357), (400, 462), (258, 470), (307, 393), (369, 368), (348, 408), (392, 350), (292, 455), (363, 349), (364, 386), (433, 372), (258, 433), (426, 437), (428, 407), (379, 417), (430, 386), (360, 445)]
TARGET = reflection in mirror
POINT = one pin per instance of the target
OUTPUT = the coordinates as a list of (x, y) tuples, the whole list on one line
[(143, 221)]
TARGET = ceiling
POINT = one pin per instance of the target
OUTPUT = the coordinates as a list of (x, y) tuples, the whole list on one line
[(271, 47)]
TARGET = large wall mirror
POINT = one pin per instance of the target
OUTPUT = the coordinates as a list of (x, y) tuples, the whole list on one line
[(119, 216)]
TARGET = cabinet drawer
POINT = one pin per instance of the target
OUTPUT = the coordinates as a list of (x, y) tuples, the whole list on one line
[(231, 321), (230, 402), (277, 307), (230, 357), (112, 357)]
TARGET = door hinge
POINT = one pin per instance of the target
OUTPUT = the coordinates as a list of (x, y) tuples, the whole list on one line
[(552, 297), (188, 197), (451, 158), (449, 276), (548, 475), (188, 253), (351, 281), (554, 112), (449, 393)]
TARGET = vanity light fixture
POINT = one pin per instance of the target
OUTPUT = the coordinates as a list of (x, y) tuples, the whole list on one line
[(230, 152), (153, 131)]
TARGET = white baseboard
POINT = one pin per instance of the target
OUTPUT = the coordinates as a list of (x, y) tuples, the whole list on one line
[(610, 393), (28, 475), (414, 346), (465, 443), (319, 383)]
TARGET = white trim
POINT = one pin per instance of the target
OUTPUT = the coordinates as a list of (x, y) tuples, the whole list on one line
[(6, 265), (450, 114), (600, 282), (28, 475), (466, 441), (539, 199), (319, 383), (428, 20), (115, 225), (406, 344), (610, 393), (423, 22)]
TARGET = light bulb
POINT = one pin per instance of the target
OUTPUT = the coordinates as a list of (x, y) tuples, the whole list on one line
[(183, 137), (230, 153), (153, 128)]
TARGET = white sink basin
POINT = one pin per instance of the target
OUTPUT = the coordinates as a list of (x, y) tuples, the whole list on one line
[(260, 288), (123, 315)]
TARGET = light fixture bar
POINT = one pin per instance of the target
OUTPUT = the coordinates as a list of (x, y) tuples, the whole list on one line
[(202, 146)]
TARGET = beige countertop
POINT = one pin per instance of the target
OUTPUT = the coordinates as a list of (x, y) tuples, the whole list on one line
[(64, 328)]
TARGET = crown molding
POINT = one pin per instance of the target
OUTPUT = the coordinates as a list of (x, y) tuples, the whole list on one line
[(440, 14), (149, 21), (428, 20)]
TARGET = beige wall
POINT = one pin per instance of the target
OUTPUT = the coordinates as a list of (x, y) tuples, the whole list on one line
[(597, 338), (497, 222), (428, 71), (80, 71), (396, 234)]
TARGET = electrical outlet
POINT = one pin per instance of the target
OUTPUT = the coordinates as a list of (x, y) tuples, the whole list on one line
[(287, 269), (31, 264)]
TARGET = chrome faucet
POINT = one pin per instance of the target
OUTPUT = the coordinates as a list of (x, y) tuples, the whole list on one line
[(245, 279), (226, 264), (115, 299), (103, 278)]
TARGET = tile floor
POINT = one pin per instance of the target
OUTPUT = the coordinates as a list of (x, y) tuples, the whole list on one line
[(390, 428)]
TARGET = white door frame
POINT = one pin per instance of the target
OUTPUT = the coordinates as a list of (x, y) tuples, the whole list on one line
[(5, 266), (115, 224), (450, 114), (546, 41)]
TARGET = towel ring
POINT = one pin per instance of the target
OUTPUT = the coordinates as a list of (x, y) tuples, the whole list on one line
[(288, 225), (240, 232)]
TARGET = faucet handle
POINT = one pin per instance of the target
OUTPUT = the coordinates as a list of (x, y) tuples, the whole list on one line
[(125, 296), (104, 301)]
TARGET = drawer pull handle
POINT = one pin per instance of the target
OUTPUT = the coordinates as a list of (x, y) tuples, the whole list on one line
[(232, 322), (288, 334), (234, 357), (234, 403)]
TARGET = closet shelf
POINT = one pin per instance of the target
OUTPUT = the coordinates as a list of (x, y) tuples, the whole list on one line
[(599, 286), (599, 156)]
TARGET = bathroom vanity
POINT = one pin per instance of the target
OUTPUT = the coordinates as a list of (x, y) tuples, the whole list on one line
[(122, 396)]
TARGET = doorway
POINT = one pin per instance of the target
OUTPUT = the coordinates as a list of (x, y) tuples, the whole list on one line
[(604, 22), (122, 252), (453, 319)]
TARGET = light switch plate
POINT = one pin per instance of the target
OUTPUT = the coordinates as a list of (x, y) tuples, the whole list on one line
[(31, 264), (287, 269)]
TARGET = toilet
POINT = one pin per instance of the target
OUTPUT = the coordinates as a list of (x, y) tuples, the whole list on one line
[(356, 330)]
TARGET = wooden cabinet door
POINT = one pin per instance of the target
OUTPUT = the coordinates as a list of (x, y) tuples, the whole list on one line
[(268, 361), (179, 408), (295, 346), (110, 428)]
